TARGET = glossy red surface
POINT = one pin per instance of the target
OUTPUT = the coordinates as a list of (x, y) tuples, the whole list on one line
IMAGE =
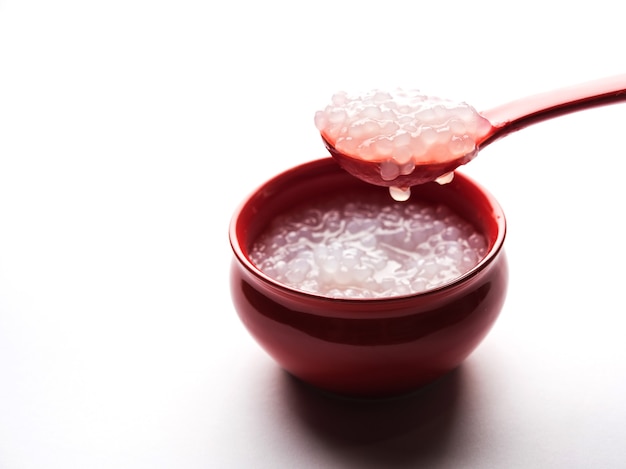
[(373, 347)]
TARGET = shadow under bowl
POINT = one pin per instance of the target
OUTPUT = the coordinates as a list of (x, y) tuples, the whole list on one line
[(378, 347)]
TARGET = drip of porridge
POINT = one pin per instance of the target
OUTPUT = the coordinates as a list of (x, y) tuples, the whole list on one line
[(368, 249)]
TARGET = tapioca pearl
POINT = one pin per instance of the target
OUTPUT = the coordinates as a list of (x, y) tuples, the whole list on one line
[(321, 252), (380, 97), (389, 170), (430, 269), (333, 225), (292, 237), (407, 168), (428, 228), (280, 267), (377, 261), (425, 116), (340, 98), (419, 237), (410, 265), (387, 283), (447, 275), (428, 136), (335, 293), (362, 129), (277, 242), (370, 224), (402, 155), (402, 139), (394, 237), (423, 250), (404, 120), (400, 290), (412, 211), (464, 112), (347, 145), (370, 114), (443, 212), (360, 225), (344, 275), (311, 235), (477, 241), (332, 132), (390, 127), (419, 147), (414, 223), (332, 215), (456, 146), (337, 116), (312, 217), (292, 250), (383, 147), (309, 286), (468, 260), (462, 145), (390, 217), (330, 265), (464, 228), (350, 258), (297, 270), (368, 242), (355, 226), (367, 151), (264, 263), (320, 120), (361, 273), (449, 253), (438, 225), (335, 249), (442, 112), (421, 224), (457, 127), (451, 233), (409, 127), (353, 293), (428, 212), (306, 253), (419, 284), (443, 136)]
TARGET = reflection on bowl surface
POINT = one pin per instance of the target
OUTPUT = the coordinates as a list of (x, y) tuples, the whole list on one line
[(370, 347)]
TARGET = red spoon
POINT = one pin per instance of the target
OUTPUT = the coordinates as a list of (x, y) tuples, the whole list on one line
[(501, 120)]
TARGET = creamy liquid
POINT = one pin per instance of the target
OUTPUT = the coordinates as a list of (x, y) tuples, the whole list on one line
[(360, 249)]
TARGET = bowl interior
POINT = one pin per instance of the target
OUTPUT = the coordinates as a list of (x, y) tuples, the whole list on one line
[(324, 177)]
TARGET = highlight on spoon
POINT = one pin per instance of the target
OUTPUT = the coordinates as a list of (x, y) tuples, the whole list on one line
[(401, 138)]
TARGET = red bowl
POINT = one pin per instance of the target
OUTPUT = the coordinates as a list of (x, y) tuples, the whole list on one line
[(367, 347)]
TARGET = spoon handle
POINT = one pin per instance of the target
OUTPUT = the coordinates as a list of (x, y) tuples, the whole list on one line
[(523, 112)]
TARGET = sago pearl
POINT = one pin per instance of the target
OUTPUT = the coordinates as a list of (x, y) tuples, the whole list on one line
[(362, 249), (401, 129)]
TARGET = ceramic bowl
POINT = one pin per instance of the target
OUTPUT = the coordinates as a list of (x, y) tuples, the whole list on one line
[(376, 347)]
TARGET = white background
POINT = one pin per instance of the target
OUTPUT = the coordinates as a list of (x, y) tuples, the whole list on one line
[(130, 130)]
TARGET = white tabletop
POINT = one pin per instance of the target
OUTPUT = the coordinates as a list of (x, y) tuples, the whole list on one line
[(129, 131)]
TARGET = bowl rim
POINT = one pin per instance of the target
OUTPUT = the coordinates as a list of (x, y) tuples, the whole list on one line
[(497, 215)]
